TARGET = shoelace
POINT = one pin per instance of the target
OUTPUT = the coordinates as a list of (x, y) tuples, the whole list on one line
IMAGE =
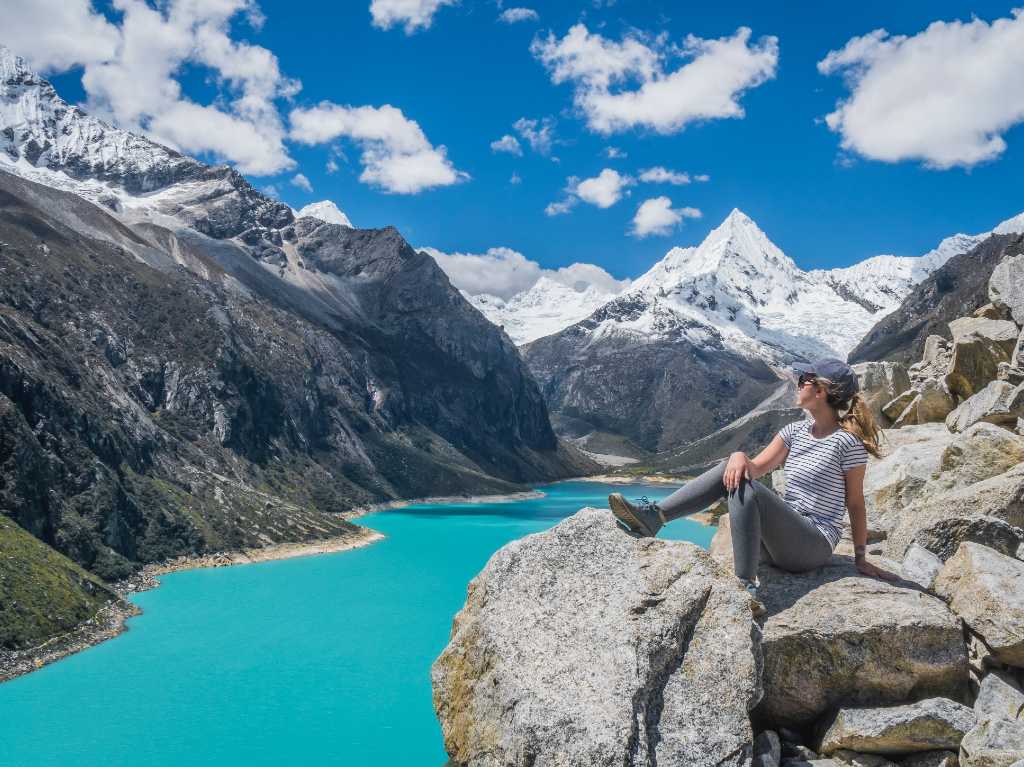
[(643, 503)]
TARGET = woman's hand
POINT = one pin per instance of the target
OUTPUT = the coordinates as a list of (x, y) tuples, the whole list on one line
[(866, 568), (735, 470)]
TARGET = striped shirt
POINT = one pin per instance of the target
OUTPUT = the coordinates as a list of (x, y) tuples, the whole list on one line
[(816, 474)]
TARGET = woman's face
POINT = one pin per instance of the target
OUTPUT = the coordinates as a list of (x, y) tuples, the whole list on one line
[(807, 392)]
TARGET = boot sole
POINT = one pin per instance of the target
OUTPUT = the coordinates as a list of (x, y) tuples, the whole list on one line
[(621, 511)]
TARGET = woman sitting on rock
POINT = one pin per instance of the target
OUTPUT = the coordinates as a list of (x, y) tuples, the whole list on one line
[(825, 460)]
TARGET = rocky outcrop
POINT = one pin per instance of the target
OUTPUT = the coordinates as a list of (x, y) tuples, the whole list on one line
[(833, 638), (928, 725), (988, 512), (1006, 287), (979, 345), (998, 402), (986, 589), (584, 646), (929, 401)]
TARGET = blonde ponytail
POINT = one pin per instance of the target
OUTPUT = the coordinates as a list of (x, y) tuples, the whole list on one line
[(859, 421)]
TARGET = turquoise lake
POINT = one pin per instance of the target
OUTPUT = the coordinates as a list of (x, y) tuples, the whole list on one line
[(321, 660)]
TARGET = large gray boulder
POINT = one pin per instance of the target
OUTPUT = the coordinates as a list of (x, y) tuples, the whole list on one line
[(931, 759), (998, 402), (879, 383), (928, 725), (993, 743), (986, 589), (980, 451), (1006, 286), (979, 345), (910, 457), (833, 637), (1000, 697), (935, 359), (584, 646), (987, 511)]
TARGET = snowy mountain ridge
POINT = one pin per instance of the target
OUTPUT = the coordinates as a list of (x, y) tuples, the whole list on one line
[(326, 211), (745, 289)]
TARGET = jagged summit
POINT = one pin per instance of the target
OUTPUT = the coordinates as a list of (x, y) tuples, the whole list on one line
[(326, 211)]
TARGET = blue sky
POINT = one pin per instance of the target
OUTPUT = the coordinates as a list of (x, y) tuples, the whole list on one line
[(467, 78)]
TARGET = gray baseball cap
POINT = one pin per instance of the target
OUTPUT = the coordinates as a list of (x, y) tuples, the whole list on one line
[(834, 370)]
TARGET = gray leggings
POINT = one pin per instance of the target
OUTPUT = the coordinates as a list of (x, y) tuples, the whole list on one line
[(757, 515)]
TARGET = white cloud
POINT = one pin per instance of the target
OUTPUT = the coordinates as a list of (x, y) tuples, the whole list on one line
[(332, 165), (130, 69), (707, 87), (301, 182), (614, 153), (500, 272), (504, 272), (396, 155), (539, 134), (513, 15), (508, 144), (270, 191), (411, 14), (657, 216), (605, 189), (515, 179), (660, 175), (944, 96), (561, 207)]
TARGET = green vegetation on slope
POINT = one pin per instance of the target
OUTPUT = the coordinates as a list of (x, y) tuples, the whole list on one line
[(42, 592)]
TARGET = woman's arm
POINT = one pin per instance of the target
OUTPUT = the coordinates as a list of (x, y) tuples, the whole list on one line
[(740, 465), (859, 523)]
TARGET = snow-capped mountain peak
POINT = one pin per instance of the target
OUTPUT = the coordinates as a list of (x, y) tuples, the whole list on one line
[(326, 211)]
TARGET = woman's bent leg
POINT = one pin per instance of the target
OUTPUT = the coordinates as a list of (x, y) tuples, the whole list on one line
[(758, 515), (696, 495)]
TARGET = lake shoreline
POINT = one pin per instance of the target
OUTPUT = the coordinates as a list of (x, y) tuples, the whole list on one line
[(110, 620)]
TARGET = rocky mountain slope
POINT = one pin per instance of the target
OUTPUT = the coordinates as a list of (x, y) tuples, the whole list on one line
[(186, 367), (957, 288)]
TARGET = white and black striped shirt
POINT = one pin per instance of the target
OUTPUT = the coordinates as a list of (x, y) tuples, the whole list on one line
[(816, 474)]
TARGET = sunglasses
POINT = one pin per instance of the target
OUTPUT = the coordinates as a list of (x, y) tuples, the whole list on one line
[(805, 378)]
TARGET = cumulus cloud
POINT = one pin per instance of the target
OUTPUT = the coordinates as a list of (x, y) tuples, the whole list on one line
[(507, 143), (656, 216), (944, 96), (129, 71), (614, 153), (605, 189), (539, 134), (504, 272), (301, 182), (413, 15), (514, 15), (660, 175), (624, 85), (396, 155)]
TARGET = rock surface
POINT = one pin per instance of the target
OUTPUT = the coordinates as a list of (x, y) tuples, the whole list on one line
[(928, 725), (833, 637), (1000, 697), (1006, 286), (984, 511), (993, 743), (932, 759), (998, 402), (986, 589), (880, 383), (584, 646)]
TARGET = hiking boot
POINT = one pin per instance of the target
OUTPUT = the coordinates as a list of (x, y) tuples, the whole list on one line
[(643, 519), (757, 607)]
